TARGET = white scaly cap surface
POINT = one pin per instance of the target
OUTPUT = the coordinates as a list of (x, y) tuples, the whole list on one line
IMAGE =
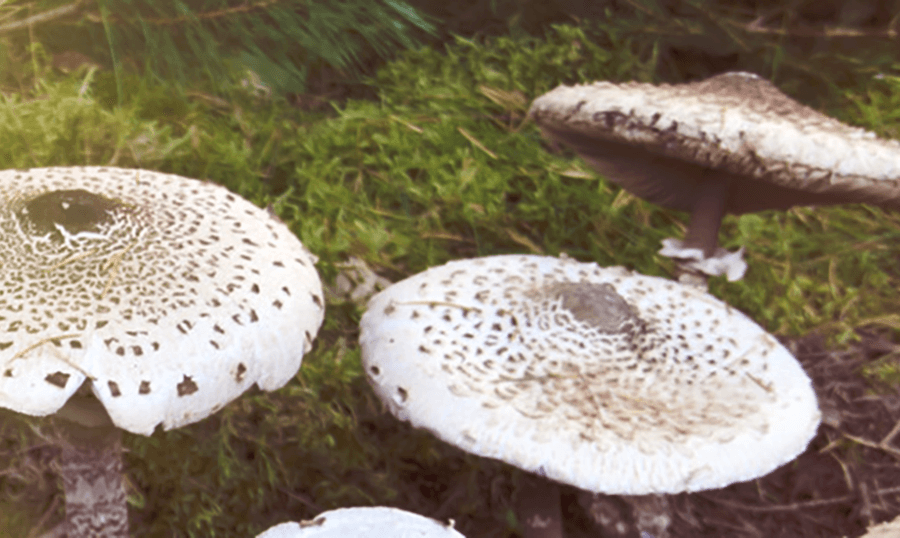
[(888, 529), (734, 122), (364, 522), (176, 301), (596, 377)]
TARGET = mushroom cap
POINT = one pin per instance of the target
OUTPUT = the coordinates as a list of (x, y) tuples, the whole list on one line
[(364, 522), (600, 378), (659, 141), (888, 529), (172, 295)]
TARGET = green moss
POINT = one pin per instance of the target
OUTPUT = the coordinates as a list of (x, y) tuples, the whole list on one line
[(17, 519), (884, 372)]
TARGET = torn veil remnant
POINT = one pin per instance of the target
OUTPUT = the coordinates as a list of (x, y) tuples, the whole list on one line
[(595, 377), (364, 522), (732, 143), (164, 297)]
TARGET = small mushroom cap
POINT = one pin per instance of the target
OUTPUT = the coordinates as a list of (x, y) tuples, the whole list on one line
[(364, 522), (172, 295), (596, 377), (659, 141)]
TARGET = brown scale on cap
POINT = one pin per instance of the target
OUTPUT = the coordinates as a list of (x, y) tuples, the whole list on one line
[(75, 210), (597, 305)]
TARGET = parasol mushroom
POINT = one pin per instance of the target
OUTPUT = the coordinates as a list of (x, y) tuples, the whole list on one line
[(732, 143), (888, 529), (599, 378), (364, 522), (131, 299)]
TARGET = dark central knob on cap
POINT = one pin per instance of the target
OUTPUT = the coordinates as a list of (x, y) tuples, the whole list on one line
[(595, 304), (75, 210)]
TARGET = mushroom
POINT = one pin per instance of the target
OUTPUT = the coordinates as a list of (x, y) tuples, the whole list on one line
[(131, 299), (364, 522), (889, 529), (732, 143), (599, 378)]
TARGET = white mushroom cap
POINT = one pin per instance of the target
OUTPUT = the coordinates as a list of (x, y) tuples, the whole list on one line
[(173, 296), (888, 529), (364, 522), (596, 377), (779, 152)]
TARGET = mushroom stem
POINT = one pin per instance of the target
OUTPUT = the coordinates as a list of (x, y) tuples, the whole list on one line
[(652, 514), (629, 515), (90, 466), (709, 208), (538, 507)]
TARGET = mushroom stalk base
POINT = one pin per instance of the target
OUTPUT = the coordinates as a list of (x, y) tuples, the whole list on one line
[(625, 516), (699, 254), (538, 507), (652, 514), (90, 466)]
